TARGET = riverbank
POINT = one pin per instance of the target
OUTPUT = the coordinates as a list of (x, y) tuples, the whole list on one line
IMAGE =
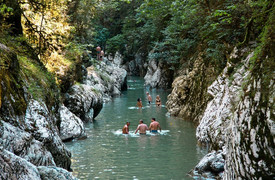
[(36, 116)]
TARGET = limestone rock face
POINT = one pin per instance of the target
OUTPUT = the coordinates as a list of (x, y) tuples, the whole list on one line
[(251, 137), (240, 120), (54, 173), (29, 129), (136, 66), (42, 124), (216, 118), (83, 101), (189, 95), (71, 126), (116, 60), (15, 167), (109, 80), (158, 75), (12, 100), (25, 145)]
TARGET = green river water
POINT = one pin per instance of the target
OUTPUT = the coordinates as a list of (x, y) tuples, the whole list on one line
[(108, 154)]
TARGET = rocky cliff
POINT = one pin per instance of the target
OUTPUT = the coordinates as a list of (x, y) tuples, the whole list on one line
[(240, 120), (189, 91), (29, 136), (35, 117), (158, 75)]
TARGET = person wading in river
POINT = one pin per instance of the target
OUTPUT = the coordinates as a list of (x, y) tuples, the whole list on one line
[(149, 98), (139, 103), (141, 127), (158, 101), (154, 126), (125, 129)]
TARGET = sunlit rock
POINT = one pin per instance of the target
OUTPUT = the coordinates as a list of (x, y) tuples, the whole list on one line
[(71, 126), (109, 80), (24, 145), (42, 126), (81, 98), (116, 60)]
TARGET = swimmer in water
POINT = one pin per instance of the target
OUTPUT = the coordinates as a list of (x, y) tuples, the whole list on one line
[(154, 126), (149, 98), (139, 103), (142, 128), (158, 101), (125, 129)]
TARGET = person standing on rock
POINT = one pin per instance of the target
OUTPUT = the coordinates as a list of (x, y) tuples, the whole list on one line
[(142, 128), (125, 129), (139, 103), (154, 126), (98, 52), (149, 98), (101, 55), (158, 101)]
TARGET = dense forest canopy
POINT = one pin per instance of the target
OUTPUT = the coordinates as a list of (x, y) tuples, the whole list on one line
[(171, 31)]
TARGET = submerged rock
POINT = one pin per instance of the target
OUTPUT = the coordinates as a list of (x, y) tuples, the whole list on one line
[(211, 165)]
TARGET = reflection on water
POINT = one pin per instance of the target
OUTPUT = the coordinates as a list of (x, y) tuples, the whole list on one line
[(108, 154)]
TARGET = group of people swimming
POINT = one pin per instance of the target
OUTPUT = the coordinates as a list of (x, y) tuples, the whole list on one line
[(149, 98), (142, 128)]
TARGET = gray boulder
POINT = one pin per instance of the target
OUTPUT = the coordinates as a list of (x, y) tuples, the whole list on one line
[(14, 167), (109, 80), (42, 125), (158, 75), (211, 165), (24, 145), (54, 173), (71, 126), (84, 101)]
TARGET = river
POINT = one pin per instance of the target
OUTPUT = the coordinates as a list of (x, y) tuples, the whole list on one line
[(108, 154)]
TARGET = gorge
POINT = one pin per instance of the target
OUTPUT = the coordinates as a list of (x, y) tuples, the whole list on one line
[(212, 62)]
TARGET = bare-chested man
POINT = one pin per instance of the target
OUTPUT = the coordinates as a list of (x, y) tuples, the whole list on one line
[(154, 126), (125, 129), (141, 127), (149, 98)]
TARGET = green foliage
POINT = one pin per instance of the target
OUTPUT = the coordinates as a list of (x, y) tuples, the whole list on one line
[(170, 31), (101, 37), (116, 44)]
